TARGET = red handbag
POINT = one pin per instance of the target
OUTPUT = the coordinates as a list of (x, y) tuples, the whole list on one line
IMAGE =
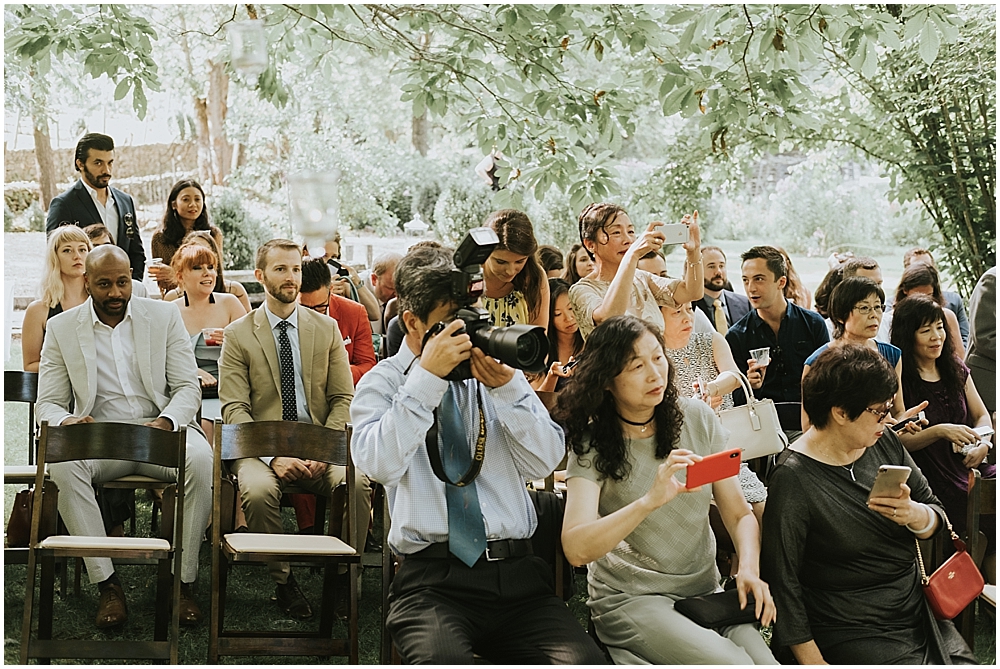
[(955, 584)]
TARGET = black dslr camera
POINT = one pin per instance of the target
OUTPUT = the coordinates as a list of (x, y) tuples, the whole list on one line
[(522, 347)]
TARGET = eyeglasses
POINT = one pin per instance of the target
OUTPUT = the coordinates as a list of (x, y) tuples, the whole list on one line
[(880, 414), (866, 310), (321, 308)]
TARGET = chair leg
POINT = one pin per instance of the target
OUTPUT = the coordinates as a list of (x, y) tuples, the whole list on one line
[(326, 611), (77, 568), (46, 589), (161, 618), (29, 601), (352, 620)]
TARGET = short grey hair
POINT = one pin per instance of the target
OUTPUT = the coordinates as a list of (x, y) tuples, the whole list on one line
[(423, 281)]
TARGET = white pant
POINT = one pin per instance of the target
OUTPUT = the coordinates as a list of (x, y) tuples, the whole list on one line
[(79, 510)]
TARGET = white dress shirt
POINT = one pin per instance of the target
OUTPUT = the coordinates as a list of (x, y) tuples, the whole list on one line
[(121, 397), (293, 339), (108, 212), (392, 410)]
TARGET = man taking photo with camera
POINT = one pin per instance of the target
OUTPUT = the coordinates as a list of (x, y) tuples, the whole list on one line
[(469, 582)]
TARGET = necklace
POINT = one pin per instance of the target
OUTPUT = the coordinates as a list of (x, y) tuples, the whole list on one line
[(851, 469), (640, 424)]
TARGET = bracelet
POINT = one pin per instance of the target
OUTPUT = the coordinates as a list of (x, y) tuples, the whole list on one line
[(930, 524)]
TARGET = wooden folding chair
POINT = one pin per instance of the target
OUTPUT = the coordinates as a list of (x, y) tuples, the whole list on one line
[(982, 501), (282, 439), (102, 441)]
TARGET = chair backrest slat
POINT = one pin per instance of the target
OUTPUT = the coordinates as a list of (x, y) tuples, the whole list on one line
[(115, 441), (20, 386), (288, 439)]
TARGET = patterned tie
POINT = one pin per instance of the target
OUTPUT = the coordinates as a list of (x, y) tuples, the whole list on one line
[(720, 317), (289, 408), (466, 529)]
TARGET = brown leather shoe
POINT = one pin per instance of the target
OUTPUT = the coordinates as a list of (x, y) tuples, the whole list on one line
[(190, 614), (111, 610)]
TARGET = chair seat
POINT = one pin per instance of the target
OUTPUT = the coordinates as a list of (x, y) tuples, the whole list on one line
[(70, 543), (286, 544), (136, 480), (20, 473), (990, 594)]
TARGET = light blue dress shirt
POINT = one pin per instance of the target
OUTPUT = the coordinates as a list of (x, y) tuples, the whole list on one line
[(391, 413)]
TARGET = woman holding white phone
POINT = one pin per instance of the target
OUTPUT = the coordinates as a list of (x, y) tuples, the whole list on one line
[(842, 565), (616, 286), (629, 516)]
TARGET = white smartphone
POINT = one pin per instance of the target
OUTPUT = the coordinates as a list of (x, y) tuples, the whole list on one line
[(888, 480), (984, 431), (675, 233)]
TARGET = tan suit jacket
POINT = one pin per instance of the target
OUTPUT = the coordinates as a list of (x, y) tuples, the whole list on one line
[(250, 375)]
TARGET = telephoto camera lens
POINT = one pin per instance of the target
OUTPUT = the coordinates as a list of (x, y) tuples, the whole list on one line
[(522, 347)]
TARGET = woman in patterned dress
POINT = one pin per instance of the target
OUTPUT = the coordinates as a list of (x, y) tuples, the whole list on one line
[(517, 292)]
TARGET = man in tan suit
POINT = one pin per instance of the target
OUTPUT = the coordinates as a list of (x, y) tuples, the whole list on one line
[(285, 362)]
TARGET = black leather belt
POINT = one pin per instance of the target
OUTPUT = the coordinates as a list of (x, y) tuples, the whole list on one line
[(495, 550)]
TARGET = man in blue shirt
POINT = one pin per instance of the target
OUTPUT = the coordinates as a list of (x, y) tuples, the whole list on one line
[(469, 582), (791, 333)]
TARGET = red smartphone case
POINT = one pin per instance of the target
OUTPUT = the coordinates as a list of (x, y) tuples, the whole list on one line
[(714, 468)]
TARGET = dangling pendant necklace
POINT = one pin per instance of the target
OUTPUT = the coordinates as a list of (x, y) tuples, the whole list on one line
[(851, 469), (641, 424)]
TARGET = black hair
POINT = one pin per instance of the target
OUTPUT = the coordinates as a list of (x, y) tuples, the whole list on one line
[(916, 275), (821, 298), (852, 377), (315, 275), (909, 315), (596, 217), (92, 140), (549, 257), (423, 281), (172, 228), (586, 408), (774, 258), (559, 287), (846, 295)]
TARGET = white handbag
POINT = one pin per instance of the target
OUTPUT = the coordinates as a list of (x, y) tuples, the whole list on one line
[(754, 427)]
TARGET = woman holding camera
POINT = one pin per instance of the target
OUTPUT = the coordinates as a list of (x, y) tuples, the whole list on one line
[(517, 292), (949, 447), (617, 286), (645, 537), (565, 342), (842, 565)]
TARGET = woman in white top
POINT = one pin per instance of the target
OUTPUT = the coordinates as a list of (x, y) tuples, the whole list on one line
[(616, 287)]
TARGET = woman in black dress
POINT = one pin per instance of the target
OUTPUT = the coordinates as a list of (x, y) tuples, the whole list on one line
[(842, 568)]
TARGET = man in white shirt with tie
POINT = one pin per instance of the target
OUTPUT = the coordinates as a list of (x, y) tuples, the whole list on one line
[(119, 359), (469, 582)]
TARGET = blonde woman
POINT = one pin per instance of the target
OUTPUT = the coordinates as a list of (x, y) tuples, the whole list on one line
[(62, 288)]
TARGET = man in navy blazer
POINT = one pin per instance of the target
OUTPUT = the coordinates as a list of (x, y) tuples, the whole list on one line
[(92, 200), (734, 305)]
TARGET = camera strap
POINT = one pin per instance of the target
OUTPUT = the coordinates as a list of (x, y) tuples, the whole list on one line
[(434, 451)]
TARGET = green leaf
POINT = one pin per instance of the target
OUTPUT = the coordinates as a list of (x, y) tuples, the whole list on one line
[(929, 43), (122, 89)]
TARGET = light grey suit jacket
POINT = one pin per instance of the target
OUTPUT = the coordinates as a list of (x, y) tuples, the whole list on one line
[(67, 375)]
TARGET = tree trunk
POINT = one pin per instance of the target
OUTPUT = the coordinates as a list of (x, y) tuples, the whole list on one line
[(43, 155), (218, 94), (205, 173), (419, 133)]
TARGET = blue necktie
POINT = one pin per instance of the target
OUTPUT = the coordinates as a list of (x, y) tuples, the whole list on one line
[(466, 529)]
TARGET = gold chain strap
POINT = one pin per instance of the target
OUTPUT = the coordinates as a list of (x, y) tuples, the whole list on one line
[(920, 558)]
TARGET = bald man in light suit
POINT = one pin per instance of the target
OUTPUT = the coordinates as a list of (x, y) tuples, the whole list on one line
[(283, 361)]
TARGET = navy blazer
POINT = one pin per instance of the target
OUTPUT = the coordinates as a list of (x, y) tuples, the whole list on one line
[(77, 207), (737, 306)]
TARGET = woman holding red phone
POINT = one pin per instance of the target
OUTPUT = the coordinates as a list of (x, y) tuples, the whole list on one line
[(645, 537), (842, 565)]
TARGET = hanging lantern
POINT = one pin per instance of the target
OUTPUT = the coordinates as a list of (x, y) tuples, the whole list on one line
[(248, 47), (314, 200)]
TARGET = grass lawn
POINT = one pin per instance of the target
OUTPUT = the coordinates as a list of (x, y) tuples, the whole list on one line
[(250, 589)]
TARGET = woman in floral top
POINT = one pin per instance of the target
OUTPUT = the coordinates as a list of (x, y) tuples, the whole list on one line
[(516, 290)]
